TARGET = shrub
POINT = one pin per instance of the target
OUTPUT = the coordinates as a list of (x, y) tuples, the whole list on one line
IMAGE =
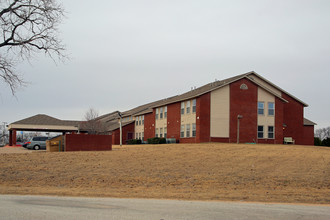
[(317, 141), (326, 142), (134, 141), (156, 140)]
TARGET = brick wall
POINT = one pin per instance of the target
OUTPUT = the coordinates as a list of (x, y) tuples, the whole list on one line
[(279, 111), (125, 132), (243, 102), (87, 142), (308, 135), (173, 120), (203, 107), (115, 137), (294, 119), (149, 126)]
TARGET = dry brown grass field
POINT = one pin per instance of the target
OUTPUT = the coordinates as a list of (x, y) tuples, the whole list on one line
[(212, 171)]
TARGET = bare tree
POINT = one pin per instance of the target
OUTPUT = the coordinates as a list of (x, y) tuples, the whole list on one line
[(26, 28), (91, 124), (3, 135), (322, 133), (91, 114)]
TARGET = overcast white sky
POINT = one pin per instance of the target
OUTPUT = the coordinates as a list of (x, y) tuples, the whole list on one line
[(128, 53)]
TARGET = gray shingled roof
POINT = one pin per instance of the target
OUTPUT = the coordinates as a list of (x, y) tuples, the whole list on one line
[(308, 122), (115, 125), (42, 119)]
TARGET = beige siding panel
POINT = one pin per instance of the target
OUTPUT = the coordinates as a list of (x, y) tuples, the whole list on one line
[(220, 112), (139, 128), (265, 120), (161, 123), (268, 86), (188, 118)]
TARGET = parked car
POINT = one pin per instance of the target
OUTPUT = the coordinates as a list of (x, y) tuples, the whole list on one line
[(36, 143), (25, 144)]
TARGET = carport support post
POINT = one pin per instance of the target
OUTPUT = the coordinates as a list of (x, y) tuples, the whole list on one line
[(10, 137), (13, 138)]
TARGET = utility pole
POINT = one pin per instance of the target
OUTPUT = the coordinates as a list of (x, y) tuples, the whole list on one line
[(120, 129)]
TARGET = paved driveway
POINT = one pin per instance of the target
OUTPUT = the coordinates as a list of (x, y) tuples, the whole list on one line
[(46, 207)]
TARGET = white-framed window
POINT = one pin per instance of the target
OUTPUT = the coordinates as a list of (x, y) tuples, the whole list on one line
[(140, 120), (182, 108), (161, 113), (194, 105), (157, 132), (271, 132), (193, 129), (260, 131), (137, 121), (161, 132), (165, 112), (143, 119), (261, 108), (165, 132), (182, 131), (188, 107), (156, 113), (271, 108), (188, 130)]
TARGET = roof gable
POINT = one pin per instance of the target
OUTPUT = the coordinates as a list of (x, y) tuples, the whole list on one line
[(252, 73)]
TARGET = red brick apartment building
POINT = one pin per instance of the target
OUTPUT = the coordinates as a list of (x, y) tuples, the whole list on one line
[(245, 108)]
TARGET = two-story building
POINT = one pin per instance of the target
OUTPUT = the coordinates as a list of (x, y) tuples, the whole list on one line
[(246, 108)]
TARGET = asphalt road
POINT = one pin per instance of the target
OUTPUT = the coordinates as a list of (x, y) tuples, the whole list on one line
[(52, 207)]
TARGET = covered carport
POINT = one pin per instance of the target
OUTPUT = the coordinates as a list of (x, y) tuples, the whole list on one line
[(42, 123)]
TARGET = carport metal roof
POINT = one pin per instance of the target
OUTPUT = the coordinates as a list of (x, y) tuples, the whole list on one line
[(44, 123)]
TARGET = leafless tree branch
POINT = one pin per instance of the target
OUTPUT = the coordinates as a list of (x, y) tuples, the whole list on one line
[(26, 28)]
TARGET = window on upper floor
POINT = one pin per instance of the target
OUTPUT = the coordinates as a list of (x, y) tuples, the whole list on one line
[(156, 113), (271, 108), (260, 131), (161, 113), (165, 112), (188, 107), (194, 105), (136, 121), (182, 108), (140, 120), (143, 119), (261, 108)]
